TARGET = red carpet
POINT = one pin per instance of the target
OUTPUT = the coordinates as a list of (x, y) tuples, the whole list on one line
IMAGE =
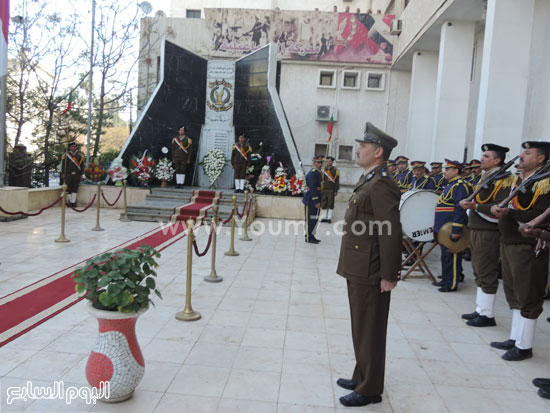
[(30, 306)]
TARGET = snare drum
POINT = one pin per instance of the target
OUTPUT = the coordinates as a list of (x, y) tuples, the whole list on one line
[(417, 210)]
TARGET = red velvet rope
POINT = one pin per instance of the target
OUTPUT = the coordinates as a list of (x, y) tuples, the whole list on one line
[(230, 216), (31, 214), (195, 246), (84, 209), (116, 200)]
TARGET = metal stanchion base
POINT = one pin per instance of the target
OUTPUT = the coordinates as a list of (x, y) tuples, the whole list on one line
[(62, 239), (98, 229), (125, 220), (247, 238), (213, 278), (188, 316), (232, 253)]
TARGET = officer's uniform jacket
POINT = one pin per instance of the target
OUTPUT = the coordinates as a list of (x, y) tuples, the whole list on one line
[(376, 254), (72, 163), (403, 179), (481, 218), (425, 182), (440, 182), (313, 182), (331, 179), (181, 148), (448, 207), (240, 156)]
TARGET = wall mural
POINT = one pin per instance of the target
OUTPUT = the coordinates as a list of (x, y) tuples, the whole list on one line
[(307, 35)]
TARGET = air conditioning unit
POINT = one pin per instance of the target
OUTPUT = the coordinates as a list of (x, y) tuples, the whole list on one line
[(396, 27), (324, 113)]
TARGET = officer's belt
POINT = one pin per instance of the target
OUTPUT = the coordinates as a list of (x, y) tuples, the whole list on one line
[(444, 209)]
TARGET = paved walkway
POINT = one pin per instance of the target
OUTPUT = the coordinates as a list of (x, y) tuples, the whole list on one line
[(274, 335)]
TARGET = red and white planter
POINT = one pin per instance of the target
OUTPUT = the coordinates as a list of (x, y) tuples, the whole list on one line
[(116, 357)]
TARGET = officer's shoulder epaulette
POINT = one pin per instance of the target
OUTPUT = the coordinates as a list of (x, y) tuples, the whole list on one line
[(542, 186), (384, 173), (233, 147), (507, 181)]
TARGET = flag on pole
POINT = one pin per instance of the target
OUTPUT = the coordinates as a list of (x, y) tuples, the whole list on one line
[(329, 127), (5, 18), (69, 103)]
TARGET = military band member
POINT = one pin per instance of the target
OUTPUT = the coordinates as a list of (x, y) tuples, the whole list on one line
[(240, 160), (404, 174), (439, 178), (181, 155), (330, 186), (523, 264), (475, 172), (421, 180), (312, 199), (392, 168), (485, 236), (448, 209), (370, 262), (72, 171)]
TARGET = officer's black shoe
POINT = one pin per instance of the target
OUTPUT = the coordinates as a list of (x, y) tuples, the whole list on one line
[(544, 392), (347, 384), (504, 345), (482, 321), (517, 354), (540, 382), (548, 319), (74, 204), (329, 221), (446, 289), (316, 240), (313, 241), (355, 399), (439, 276), (438, 284), (470, 316), (461, 278)]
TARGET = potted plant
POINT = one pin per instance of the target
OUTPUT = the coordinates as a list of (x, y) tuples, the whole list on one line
[(118, 286)]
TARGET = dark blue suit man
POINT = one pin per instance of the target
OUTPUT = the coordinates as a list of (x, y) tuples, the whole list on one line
[(420, 179), (312, 199)]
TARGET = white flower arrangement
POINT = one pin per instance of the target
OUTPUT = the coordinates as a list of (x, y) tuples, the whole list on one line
[(164, 170), (117, 171), (264, 180), (213, 164)]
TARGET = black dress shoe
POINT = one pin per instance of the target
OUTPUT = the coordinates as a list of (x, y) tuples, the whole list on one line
[(355, 399), (446, 289), (313, 241), (440, 276), (504, 345), (517, 354), (461, 278), (544, 392), (548, 319), (470, 316), (438, 284), (541, 382), (482, 321), (347, 384)]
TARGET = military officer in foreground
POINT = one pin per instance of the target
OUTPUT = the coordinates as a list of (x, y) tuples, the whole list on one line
[(484, 235), (448, 210), (370, 260), (524, 264), (181, 155), (312, 199)]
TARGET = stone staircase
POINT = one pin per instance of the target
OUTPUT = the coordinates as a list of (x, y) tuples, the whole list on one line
[(160, 204)]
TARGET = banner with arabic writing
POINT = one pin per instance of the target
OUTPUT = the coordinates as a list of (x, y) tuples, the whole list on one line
[(302, 35)]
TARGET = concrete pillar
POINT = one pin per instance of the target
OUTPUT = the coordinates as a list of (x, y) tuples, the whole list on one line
[(421, 105), (504, 73), (453, 90)]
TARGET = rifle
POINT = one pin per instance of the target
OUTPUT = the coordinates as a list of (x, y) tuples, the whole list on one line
[(541, 173), (501, 173)]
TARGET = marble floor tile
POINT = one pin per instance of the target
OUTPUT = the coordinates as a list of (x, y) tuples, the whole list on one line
[(252, 385), (200, 381)]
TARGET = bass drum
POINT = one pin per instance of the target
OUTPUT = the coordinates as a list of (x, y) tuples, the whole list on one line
[(417, 210)]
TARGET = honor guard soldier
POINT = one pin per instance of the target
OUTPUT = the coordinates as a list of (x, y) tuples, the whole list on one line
[(392, 168), (181, 155), (312, 199), (439, 178), (448, 210), (475, 167), (421, 180), (370, 260), (404, 174), (484, 234), (524, 264), (240, 160), (72, 171), (330, 186)]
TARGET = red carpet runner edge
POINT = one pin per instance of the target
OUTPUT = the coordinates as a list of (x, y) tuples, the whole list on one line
[(30, 306)]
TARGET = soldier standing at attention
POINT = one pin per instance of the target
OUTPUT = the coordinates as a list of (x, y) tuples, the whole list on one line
[(475, 167), (240, 159), (524, 265), (484, 235), (181, 155), (437, 174), (330, 186), (404, 175), (448, 209), (72, 171), (312, 199), (370, 260)]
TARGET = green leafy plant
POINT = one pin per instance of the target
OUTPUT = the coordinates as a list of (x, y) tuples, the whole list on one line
[(122, 280)]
